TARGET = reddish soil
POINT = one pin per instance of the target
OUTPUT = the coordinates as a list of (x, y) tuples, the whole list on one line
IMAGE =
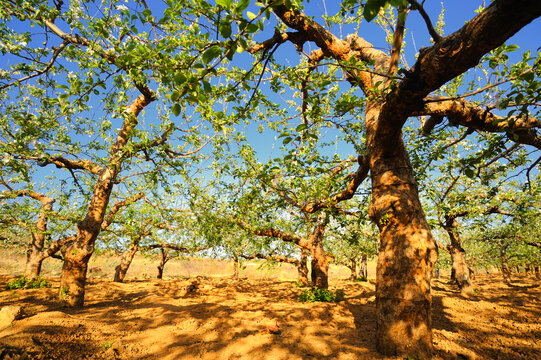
[(220, 318)]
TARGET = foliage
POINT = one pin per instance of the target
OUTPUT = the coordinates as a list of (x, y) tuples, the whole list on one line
[(361, 279), (23, 283), (315, 294)]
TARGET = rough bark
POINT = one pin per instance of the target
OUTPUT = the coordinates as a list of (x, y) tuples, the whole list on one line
[(122, 269), (302, 268), (460, 273), (406, 258), (320, 260), (33, 263), (73, 278)]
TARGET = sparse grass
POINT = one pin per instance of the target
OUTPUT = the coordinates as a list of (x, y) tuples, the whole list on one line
[(316, 294), (23, 283)]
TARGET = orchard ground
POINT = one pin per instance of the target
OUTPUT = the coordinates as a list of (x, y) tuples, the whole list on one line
[(199, 312)]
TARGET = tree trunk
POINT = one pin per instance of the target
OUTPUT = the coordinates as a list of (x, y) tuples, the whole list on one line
[(537, 272), (302, 268), (363, 272), (163, 261), (78, 253), (506, 270), (122, 269), (460, 273), (320, 261), (235, 268), (407, 251), (34, 252), (73, 278), (34, 258), (352, 269)]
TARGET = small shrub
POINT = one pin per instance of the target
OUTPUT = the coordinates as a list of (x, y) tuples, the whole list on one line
[(22, 283), (16, 284), (361, 279), (321, 295)]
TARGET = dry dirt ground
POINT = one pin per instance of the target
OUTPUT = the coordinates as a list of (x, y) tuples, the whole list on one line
[(220, 318)]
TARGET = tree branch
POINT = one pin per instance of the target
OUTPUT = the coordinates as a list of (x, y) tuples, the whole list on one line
[(416, 6), (359, 176), (116, 207), (272, 232)]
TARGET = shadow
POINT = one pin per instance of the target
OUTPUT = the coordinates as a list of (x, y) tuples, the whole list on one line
[(229, 319)]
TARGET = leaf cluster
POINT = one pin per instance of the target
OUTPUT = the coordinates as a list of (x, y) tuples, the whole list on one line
[(316, 294)]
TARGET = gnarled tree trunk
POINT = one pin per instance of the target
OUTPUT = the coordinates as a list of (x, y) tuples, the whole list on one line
[(73, 278), (407, 251), (320, 261), (460, 273), (34, 258), (35, 253), (122, 269)]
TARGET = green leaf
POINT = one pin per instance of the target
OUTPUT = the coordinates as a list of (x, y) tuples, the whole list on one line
[(242, 5), (301, 127), (251, 15), (226, 4), (469, 173), (213, 52), (371, 9), (225, 29), (176, 109)]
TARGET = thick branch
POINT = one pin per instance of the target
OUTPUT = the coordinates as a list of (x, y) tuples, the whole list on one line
[(44, 199), (452, 56), (171, 247), (61, 162), (520, 128), (277, 258), (292, 238)]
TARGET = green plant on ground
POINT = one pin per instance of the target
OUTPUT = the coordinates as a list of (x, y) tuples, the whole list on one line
[(107, 345), (23, 283), (321, 295), (361, 278)]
